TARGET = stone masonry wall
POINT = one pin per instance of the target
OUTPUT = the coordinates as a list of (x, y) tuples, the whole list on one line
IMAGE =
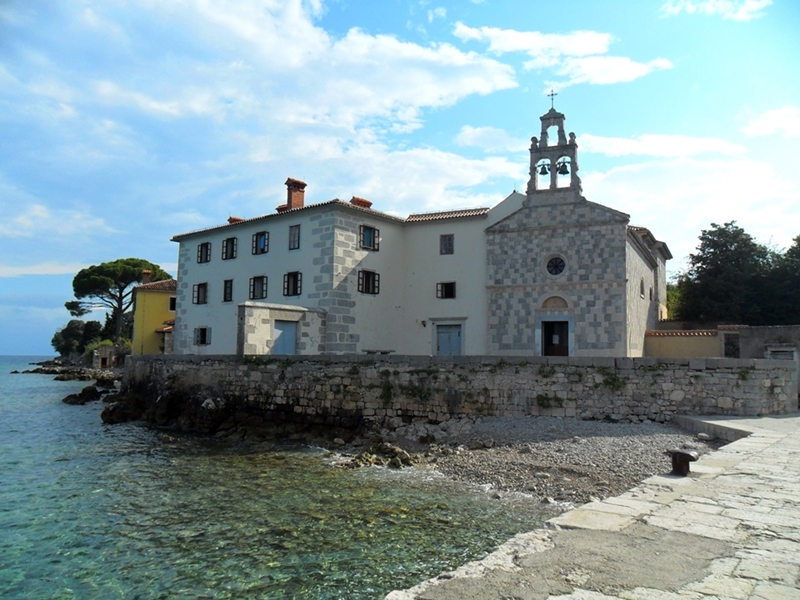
[(347, 390)]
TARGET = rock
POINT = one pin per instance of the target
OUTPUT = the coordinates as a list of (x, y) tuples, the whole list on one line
[(339, 441), (703, 436), (123, 408), (488, 443), (88, 394)]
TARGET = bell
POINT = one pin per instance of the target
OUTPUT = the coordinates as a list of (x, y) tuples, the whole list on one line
[(563, 169), (544, 170)]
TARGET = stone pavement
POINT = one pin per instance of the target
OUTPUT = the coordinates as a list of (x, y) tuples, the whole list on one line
[(731, 530)]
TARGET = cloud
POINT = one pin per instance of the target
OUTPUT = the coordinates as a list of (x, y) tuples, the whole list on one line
[(48, 268), (785, 120), (38, 220), (737, 10), (580, 56), (490, 139), (677, 198), (547, 48), (437, 13), (667, 146), (604, 70)]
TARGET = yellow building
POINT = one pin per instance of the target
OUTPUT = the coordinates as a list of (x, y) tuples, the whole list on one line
[(153, 309)]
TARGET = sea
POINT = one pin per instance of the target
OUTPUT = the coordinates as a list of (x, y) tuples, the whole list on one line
[(89, 510)]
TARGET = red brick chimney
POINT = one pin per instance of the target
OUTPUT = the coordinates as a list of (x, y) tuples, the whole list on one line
[(361, 202), (146, 274), (295, 193), (232, 220)]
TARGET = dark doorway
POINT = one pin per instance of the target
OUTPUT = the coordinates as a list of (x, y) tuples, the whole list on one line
[(555, 340)]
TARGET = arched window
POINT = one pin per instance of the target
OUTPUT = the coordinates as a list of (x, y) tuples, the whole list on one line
[(555, 303)]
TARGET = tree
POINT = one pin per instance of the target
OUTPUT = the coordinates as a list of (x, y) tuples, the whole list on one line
[(110, 285), (734, 279), (725, 280), (75, 336), (784, 287)]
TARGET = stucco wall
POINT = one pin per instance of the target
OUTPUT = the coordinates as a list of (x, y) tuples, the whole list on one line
[(348, 389), (683, 345), (150, 312)]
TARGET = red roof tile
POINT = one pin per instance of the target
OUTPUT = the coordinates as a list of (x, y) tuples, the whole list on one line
[(166, 285), (335, 202), (449, 214), (682, 333)]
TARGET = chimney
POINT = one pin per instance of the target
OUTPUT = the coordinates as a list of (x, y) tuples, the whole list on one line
[(232, 220), (360, 202), (146, 274), (295, 193)]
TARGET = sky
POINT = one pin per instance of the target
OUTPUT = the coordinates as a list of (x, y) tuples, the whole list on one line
[(125, 123)]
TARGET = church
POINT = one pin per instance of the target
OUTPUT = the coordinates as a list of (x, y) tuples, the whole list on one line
[(544, 273)]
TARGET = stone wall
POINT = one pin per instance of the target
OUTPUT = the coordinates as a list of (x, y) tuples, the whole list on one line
[(200, 392)]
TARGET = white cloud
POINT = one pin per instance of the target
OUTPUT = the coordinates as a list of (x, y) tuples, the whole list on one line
[(667, 146), (580, 55), (547, 48), (490, 139), (39, 220), (737, 10), (437, 13), (47, 268), (785, 120), (604, 70), (678, 198), (112, 93)]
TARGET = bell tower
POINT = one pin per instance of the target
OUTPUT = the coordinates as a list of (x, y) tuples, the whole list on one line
[(553, 166)]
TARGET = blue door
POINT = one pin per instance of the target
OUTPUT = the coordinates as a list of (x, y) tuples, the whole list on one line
[(285, 341), (448, 340)]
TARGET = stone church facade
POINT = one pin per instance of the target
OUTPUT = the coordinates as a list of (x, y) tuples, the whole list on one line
[(542, 273), (580, 280)]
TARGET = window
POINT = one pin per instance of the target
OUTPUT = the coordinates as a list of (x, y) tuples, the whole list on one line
[(446, 289), (172, 303), (369, 282), (641, 288), (294, 237), (556, 265), (204, 252), (227, 290), (229, 248), (202, 336), (651, 294), (447, 244), (292, 283), (258, 287), (369, 237), (261, 242), (200, 293)]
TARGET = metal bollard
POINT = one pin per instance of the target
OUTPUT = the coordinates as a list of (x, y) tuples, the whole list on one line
[(681, 460)]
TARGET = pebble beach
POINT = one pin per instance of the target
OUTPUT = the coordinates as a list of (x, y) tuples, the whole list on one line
[(560, 460)]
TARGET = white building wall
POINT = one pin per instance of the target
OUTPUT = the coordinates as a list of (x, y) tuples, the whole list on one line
[(641, 303), (426, 267)]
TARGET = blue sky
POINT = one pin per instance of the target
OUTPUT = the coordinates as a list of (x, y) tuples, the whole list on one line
[(124, 123)]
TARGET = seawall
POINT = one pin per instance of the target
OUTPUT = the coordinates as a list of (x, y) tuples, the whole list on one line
[(210, 393)]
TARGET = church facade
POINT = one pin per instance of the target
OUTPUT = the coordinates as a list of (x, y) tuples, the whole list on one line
[(542, 273)]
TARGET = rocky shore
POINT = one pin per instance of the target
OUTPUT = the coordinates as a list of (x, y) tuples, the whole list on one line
[(565, 460), (555, 459)]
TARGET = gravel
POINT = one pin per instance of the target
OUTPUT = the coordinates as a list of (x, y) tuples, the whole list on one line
[(558, 460)]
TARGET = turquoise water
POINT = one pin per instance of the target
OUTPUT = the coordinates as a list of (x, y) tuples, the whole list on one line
[(95, 511)]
